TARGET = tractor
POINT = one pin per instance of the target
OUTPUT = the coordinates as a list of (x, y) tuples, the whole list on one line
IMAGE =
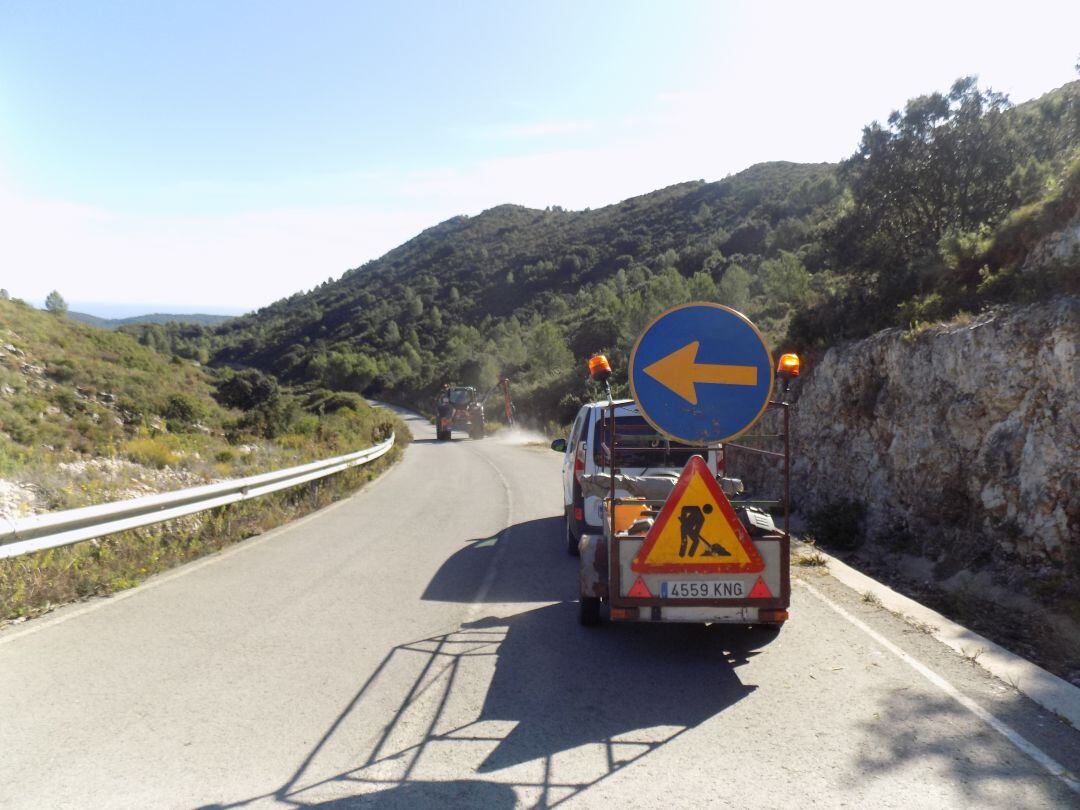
[(458, 408), (461, 408)]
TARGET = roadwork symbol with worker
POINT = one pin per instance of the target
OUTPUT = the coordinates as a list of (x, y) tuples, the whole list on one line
[(697, 531), (691, 522)]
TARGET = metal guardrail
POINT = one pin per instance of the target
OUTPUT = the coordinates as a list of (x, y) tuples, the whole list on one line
[(56, 529)]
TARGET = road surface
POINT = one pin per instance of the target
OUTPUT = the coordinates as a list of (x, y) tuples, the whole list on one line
[(416, 645)]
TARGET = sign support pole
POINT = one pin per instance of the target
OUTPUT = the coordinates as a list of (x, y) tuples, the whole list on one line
[(611, 458), (787, 469)]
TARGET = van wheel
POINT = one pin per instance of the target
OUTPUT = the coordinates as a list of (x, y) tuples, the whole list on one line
[(571, 542)]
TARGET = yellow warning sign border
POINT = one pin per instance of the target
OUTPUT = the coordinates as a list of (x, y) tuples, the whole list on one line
[(697, 466)]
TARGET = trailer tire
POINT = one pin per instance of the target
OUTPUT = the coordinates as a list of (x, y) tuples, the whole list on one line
[(589, 611), (761, 634)]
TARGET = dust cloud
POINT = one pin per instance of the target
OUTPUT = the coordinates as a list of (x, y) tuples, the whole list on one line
[(521, 437)]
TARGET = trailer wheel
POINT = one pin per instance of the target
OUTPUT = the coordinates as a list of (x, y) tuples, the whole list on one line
[(589, 611), (476, 430), (761, 634)]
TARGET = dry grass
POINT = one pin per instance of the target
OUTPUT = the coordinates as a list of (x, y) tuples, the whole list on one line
[(150, 452), (813, 559), (971, 656), (36, 583), (807, 555)]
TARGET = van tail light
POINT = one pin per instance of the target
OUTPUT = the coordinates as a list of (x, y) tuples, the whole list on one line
[(579, 514), (579, 461)]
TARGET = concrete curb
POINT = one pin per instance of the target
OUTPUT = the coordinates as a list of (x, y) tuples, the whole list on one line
[(1046, 689)]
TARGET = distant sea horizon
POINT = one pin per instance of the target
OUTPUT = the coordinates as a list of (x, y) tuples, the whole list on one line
[(116, 309)]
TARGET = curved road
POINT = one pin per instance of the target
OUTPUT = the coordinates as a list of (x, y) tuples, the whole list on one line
[(416, 645)]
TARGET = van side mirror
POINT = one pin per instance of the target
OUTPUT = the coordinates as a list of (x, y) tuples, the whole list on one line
[(559, 445)]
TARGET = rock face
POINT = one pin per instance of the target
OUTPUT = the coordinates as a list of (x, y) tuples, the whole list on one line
[(1062, 247), (962, 441)]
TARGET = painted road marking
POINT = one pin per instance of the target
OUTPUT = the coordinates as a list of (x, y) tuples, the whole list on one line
[(1051, 765)]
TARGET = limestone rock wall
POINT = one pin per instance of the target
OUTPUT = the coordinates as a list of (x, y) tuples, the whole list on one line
[(963, 441)]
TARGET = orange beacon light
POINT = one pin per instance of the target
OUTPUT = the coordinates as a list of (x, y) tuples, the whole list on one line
[(788, 365), (599, 368)]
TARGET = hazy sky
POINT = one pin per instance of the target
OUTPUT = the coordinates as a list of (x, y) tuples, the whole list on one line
[(221, 155)]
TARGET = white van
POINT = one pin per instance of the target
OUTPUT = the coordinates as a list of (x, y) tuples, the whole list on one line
[(585, 453)]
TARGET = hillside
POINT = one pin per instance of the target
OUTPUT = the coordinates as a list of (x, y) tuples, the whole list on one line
[(154, 317), (87, 415), (525, 291), (932, 216)]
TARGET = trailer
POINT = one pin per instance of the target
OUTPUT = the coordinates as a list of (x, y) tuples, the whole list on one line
[(692, 552)]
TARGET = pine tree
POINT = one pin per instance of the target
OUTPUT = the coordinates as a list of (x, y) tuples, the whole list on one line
[(55, 303)]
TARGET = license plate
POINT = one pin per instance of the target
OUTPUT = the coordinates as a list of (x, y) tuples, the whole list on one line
[(708, 589)]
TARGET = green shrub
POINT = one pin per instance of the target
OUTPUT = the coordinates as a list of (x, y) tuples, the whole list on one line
[(8, 464), (246, 389), (343, 399), (838, 524), (182, 409), (62, 370), (306, 424), (292, 441)]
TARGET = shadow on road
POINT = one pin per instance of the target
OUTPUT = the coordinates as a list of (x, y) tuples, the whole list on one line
[(533, 567), (532, 701), (934, 735), (564, 687), (411, 795)]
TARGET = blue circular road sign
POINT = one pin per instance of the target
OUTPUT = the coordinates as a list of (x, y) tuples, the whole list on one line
[(701, 373)]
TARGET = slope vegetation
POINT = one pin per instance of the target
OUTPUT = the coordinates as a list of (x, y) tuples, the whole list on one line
[(89, 416), (931, 217), (526, 292)]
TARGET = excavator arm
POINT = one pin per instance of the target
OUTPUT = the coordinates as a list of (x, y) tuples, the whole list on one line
[(508, 405)]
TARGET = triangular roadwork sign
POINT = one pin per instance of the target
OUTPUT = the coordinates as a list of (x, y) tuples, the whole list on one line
[(697, 531)]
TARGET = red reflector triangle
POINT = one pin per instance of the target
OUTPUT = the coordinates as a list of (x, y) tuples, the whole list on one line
[(760, 590), (640, 590)]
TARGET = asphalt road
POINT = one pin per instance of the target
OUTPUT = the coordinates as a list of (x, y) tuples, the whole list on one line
[(417, 645)]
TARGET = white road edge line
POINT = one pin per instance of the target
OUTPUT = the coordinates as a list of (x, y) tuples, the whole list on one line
[(1050, 764), (1048, 690), (489, 578)]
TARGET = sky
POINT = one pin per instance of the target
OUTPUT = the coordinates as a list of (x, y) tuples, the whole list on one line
[(215, 157)]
